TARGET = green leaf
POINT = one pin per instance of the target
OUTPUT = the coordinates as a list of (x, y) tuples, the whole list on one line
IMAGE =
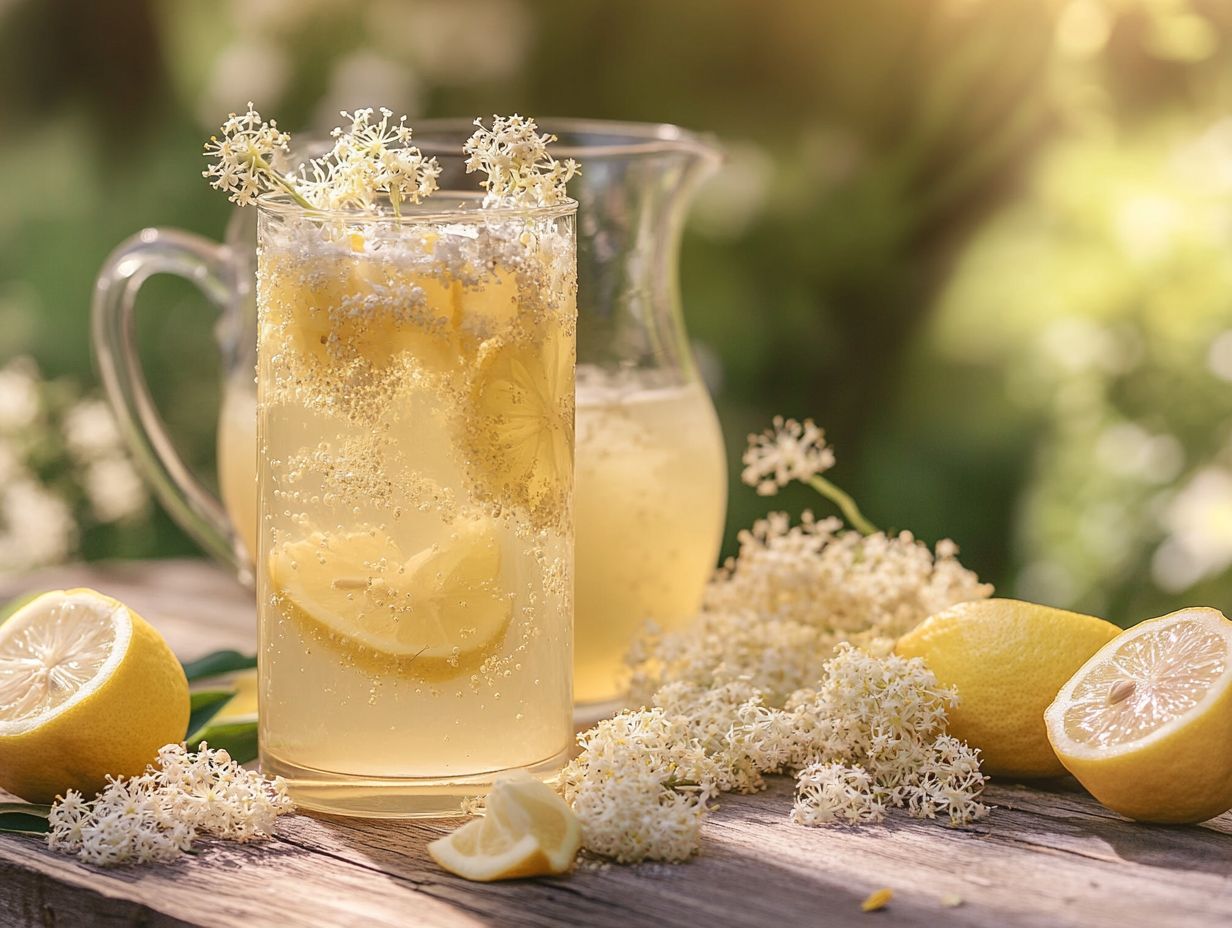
[(205, 705), (24, 818), (238, 738), (220, 662)]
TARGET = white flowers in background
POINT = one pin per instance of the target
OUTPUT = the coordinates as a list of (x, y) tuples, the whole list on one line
[(518, 169), (63, 469), (160, 814)]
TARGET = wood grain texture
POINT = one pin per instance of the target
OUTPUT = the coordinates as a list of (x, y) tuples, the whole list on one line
[(1047, 856)]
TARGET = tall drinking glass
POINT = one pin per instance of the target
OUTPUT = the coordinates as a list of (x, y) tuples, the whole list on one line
[(415, 404)]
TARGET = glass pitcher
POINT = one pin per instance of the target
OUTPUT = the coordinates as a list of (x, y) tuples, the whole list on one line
[(650, 482)]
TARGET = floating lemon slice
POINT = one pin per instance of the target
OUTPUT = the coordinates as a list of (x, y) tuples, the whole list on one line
[(1146, 724), (87, 689), (521, 426), (527, 830), (434, 612), (339, 308)]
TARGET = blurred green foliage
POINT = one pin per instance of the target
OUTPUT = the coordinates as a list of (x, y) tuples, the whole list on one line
[(963, 235)]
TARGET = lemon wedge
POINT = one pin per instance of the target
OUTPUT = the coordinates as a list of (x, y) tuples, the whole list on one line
[(527, 830), (435, 612), (521, 423), (87, 689), (1146, 724)]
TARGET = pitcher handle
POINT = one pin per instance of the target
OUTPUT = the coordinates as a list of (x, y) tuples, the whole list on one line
[(209, 266)]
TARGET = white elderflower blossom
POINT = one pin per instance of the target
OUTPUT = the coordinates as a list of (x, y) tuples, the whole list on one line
[(241, 161), (114, 489), (369, 157), (640, 787), (827, 793), (518, 169), (90, 430), (36, 527), (19, 396), (789, 451), (774, 613), (948, 783), (160, 814)]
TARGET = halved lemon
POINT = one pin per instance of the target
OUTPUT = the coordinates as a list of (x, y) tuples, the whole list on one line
[(432, 613), (521, 424), (87, 689), (1146, 724), (527, 830)]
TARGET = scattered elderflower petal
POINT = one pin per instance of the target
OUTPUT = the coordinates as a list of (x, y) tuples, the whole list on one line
[(877, 900), (519, 170), (160, 814), (789, 451)]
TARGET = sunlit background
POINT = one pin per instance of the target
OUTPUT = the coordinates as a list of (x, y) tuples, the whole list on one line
[(986, 243)]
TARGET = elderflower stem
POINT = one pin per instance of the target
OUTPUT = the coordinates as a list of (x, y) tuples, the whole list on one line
[(851, 512), (283, 181)]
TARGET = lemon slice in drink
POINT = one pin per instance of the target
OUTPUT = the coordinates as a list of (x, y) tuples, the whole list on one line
[(1146, 724), (87, 689), (527, 830), (341, 309), (521, 427), (430, 614)]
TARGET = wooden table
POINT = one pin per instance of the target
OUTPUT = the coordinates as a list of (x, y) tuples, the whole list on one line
[(1045, 857)]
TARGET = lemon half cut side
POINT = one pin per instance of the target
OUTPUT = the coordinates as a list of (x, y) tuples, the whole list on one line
[(87, 689), (1146, 724)]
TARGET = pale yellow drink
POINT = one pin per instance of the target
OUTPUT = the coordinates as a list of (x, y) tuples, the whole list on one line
[(415, 434), (649, 504), (237, 458), (649, 507)]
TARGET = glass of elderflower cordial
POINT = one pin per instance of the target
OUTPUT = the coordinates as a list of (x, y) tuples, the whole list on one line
[(415, 446)]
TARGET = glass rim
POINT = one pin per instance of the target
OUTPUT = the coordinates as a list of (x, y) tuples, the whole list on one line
[(641, 138), (469, 209)]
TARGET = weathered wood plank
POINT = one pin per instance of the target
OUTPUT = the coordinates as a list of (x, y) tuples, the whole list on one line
[(1048, 856)]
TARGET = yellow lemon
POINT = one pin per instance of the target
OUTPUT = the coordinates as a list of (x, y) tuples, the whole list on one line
[(435, 612), (527, 830), (1007, 659), (87, 689), (1146, 724), (521, 425)]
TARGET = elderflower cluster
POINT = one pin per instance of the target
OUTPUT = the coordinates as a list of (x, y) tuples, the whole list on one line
[(158, 815), (793, 592), (873, 737), (518, 167), (640, 787), (870, 737), (241, 161), (368, 158), (789, 451)]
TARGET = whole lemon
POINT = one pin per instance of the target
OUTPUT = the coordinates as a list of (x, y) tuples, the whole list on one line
[(1007, 659), (87, 689)]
